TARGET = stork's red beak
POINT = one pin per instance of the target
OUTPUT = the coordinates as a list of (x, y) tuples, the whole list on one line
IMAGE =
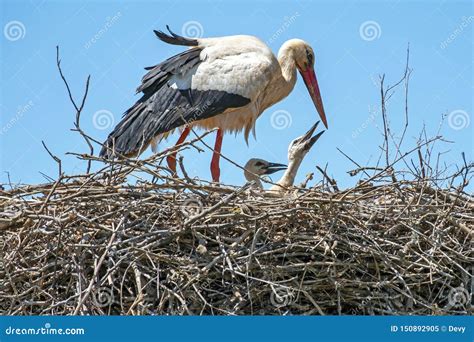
[(311, 82)]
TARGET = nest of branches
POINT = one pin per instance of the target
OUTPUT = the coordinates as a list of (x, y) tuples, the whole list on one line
[(94, 244)]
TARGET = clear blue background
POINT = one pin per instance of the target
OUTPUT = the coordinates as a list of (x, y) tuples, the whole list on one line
[(346, 66)]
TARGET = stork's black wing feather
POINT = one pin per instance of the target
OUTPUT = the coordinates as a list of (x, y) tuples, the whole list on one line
[(163, 107), (160, 73)]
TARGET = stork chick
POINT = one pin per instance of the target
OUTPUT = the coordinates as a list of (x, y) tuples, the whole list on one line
[(297, 150), (255, 168)]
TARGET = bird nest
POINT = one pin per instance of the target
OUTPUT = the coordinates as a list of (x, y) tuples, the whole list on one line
[(96, 244)]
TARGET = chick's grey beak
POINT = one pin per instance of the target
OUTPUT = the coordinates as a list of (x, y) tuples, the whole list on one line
[(310, 132), (309, 141), (274, 167)]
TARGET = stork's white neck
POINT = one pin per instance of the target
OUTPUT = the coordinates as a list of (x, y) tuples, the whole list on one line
[(253, 177), (289, 176), (287, 63), (284, 80)]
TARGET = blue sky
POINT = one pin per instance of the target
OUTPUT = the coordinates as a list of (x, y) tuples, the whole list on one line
[(354, 42)]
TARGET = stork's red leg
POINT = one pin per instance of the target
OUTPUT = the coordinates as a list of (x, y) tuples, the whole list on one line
[(171, 159), (215, 170)]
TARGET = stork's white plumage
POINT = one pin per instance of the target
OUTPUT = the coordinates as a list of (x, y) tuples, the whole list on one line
[(224, 82)]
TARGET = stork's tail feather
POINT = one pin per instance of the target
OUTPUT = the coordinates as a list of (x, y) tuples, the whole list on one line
[(113, 148), (175, 39), (110, 151)]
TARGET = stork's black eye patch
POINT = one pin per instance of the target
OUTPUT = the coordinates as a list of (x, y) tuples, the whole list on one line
[(310, 58), (258, 164)]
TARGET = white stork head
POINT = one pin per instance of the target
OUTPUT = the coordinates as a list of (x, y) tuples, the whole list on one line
[(303, 55)]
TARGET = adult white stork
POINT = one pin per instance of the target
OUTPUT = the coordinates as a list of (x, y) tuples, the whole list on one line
[(224, 83)]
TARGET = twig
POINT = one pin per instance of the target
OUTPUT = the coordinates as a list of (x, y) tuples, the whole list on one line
[(77, 125), (56, 159)]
